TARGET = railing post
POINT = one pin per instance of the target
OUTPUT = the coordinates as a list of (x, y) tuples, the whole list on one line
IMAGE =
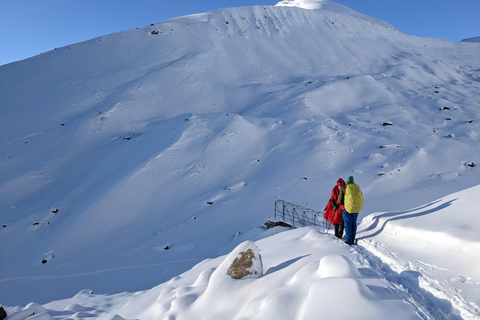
[(293, 217), (308, 217), (275, 209)]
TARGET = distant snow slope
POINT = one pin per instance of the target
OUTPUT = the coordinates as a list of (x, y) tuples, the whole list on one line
[(127, 159), (474, 39)]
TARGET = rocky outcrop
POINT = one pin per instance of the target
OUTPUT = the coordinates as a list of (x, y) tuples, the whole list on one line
[(243, 265)]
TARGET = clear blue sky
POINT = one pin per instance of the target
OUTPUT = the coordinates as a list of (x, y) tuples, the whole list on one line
[(30, 27)]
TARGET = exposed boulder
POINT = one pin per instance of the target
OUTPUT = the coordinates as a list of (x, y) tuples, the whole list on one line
[(271, 224), (243, 261), (3, 313), (244, 266), (225, 277)]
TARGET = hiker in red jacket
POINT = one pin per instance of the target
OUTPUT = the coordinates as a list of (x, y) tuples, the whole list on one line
[(335, 206)]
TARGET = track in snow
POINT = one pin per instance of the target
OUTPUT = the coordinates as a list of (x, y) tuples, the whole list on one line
[(406, 285)]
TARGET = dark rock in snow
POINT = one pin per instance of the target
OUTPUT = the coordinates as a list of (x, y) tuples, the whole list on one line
[(3, 313), (272, 224), (240, 267)]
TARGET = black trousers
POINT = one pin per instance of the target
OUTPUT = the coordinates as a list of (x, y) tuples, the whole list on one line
[(339, 229)]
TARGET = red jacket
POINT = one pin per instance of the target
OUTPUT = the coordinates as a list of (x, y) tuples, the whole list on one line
[(334, 216)]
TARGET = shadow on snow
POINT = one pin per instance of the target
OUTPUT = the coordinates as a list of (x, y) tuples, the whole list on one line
[(417, 212)]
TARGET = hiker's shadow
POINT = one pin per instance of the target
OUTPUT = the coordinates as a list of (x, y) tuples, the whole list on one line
[(417, 212)]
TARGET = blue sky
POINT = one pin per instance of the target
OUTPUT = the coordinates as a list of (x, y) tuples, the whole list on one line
[(30, 27)]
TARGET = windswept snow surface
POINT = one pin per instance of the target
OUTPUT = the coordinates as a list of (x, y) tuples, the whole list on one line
[(307, 275), (128, 160)]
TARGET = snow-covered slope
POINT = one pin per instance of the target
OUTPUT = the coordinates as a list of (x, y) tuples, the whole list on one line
[(406, 266), (306, 275), (182, 134)]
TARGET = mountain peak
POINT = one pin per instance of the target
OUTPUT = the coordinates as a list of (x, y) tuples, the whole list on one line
[(305, 4)]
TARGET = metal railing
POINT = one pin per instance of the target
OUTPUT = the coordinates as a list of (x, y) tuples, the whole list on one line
[(299, 216)]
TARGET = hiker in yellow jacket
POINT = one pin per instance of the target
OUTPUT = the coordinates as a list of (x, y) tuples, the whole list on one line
[(353, 205)]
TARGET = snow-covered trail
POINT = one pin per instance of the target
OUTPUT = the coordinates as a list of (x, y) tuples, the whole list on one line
[(428, 254), (418, 284), (406, 285)]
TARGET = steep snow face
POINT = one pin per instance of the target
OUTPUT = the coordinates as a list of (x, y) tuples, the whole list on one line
[(166, 144)]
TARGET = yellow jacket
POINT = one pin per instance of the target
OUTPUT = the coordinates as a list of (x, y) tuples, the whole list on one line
[(353, 198)]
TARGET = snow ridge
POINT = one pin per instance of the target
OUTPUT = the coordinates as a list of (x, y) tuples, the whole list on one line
[(305, 4)]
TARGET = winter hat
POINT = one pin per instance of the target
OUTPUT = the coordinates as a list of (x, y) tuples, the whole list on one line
[(340, 182), (350, 179)]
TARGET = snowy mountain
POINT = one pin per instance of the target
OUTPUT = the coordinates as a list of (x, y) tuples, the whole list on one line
[(474, 39), (129, 159)]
